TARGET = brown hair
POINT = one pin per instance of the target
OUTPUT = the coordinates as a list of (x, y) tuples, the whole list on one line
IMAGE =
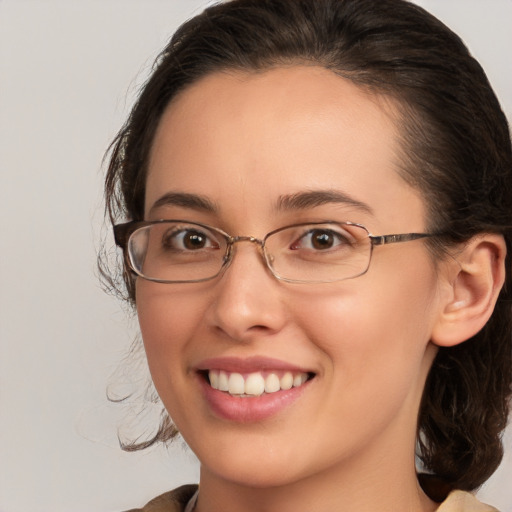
[(456, 150)]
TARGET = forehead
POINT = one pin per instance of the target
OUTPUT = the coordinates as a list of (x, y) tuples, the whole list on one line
[(244, 139)]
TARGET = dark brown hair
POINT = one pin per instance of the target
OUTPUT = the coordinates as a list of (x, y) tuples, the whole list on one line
[(456, 150)]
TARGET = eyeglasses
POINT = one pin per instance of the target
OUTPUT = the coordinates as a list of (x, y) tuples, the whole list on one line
[(179, 251)]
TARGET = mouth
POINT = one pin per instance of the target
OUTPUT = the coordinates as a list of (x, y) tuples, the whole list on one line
[(256, 383), (248, 390)]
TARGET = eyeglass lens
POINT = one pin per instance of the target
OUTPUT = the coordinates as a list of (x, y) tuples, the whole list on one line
[(185, 252)]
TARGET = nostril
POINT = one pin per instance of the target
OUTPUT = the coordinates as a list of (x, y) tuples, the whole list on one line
[(259, 328)]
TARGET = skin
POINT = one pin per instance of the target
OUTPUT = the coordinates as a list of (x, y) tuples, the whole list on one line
[(243, 140)]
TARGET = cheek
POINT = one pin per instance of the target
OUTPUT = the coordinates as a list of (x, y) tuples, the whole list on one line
[(166, 321), (169, 319), (377, 325)]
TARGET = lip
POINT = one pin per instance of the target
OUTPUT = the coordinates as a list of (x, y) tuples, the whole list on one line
[(248, 365), (249, 409)]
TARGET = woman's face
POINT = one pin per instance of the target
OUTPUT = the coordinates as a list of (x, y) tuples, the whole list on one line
[(250, 144)]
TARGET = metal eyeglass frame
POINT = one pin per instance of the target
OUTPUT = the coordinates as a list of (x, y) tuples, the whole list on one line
[(122, 233)]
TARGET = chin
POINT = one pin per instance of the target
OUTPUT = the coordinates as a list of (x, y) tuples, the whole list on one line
[(253, 475)]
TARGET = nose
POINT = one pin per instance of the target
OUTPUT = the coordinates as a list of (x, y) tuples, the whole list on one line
[(249, 299)]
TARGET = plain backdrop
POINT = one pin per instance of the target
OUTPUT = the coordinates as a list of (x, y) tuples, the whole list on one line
[(69, 71)]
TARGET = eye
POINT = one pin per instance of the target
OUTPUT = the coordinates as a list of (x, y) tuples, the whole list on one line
[(192, 239), (321, 239)]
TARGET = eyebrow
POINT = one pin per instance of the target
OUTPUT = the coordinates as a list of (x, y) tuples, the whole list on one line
[(297, 201), (185, 200), (314, 198)]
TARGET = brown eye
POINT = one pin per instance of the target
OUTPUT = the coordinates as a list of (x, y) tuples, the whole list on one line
[(188, 240), (321, 239), (194, 240)]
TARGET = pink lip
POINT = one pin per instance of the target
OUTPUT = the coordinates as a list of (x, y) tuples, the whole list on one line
[(247, 365), (248, 409)]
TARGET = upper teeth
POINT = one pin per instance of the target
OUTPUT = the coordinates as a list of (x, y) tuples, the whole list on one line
[(255, 384)]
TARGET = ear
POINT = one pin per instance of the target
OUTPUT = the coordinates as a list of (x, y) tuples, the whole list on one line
[(472, 281)]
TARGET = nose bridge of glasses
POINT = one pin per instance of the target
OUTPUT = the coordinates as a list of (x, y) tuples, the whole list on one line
[(252, 240)]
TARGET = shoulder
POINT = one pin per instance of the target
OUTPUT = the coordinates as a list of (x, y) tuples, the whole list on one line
[(172, 501), (461, 501)]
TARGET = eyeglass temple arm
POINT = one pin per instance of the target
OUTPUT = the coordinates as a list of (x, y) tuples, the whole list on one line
[(122, 232), (393, 239)]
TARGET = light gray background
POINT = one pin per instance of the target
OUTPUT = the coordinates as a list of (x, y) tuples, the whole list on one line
[(68, 73)]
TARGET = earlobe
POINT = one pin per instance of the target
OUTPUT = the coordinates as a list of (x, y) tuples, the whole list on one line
[(472, 283)]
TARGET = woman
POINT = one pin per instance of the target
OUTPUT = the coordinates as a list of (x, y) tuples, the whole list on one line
[(314, 199)]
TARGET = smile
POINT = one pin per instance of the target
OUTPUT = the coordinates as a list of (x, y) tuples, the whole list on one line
[(247, 390), (256, 383)]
